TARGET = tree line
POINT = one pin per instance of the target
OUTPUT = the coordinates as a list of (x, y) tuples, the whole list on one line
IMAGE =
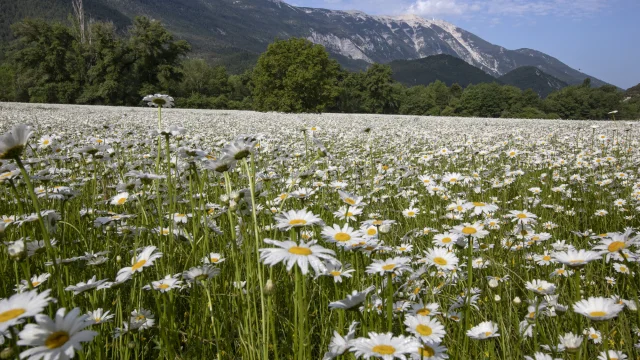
[(58, 63)]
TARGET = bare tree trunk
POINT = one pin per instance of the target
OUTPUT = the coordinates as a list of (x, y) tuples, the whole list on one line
[(78, 9)]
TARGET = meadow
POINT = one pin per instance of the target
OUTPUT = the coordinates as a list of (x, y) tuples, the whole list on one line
[(156, 232)]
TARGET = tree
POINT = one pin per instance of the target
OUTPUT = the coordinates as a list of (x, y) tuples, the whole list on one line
[(156, 57), (294, 75), (378, 90), (47, 61), (7, 84)]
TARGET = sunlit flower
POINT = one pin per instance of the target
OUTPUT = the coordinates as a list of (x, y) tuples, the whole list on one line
[(598, 308), (304, 254)]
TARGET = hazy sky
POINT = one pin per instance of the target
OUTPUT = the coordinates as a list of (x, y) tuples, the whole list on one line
[(599, 37)]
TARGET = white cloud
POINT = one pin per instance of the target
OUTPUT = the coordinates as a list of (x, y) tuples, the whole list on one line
[(572, 8)]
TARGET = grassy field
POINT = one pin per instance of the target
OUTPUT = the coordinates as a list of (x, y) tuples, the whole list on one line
[(182, 234)]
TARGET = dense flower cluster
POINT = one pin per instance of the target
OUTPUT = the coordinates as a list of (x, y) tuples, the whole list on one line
[(315, 236)]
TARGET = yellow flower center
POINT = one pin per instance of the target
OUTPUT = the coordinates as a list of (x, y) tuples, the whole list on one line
[(411, 213), (46, 142), (377, 222), (11, 314), (597, 313), (459, 208), (214, 260), (426, 351), (576, 261), (56, 339), (384, 349), (122, 200), (163, 286), (468, 230), (615, 246), (295, 222), (342, 237), (180, 215), (521, 216), (335, 273), (349, 201), (446, 240), (423, 312), (546, 258), (487, 333), (440, 260), (388, 267), (35, 283), (138, 265), (424, 330), (478, 204), (296, 250), (593, 336), (371, 231)]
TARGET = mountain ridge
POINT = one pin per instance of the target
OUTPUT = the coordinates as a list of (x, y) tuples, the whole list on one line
[(218, 29)]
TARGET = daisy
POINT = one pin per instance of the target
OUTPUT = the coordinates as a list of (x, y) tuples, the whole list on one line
[(303, 254), (452, 178), (120, 199), (522, 216), (475, 230), (594, 335), (396, 265), (99, 316), (339, 344), (430, 352), (575, 258), (145, 259), (82, 286), (180, 218), (20, 306), (384, 346), (165, 285), (56, 338), (159, 100), (410, 212), (598, 308), (621, 268), (570, 341), (13, 143), (341, 236), (541, 287), (484, 330), (141, 319), (213, 258), (446, 239), (200, 273), (298, 218), (441, 258), (337, 271), (612, 355), (351, 200), (426, 328), (347, 212), (424, 310), (36, 280), (353, 299)]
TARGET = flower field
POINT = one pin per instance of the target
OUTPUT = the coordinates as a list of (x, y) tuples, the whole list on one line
[(189, 234)]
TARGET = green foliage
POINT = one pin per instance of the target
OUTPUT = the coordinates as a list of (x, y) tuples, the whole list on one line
[(294, 75), (7, 83)]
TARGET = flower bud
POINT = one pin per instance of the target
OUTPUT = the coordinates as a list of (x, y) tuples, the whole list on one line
[(268, 287), (517, 301), (233, 205), (493, 283), (7, 353), (497, 298), (118, 258), (385, 228)]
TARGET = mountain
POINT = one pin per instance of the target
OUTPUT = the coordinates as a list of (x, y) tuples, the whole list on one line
[(221, 29), (530, 77), (446, 68), (633, 91)]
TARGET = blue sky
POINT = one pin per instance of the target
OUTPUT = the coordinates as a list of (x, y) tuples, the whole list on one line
[(599, 37)]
